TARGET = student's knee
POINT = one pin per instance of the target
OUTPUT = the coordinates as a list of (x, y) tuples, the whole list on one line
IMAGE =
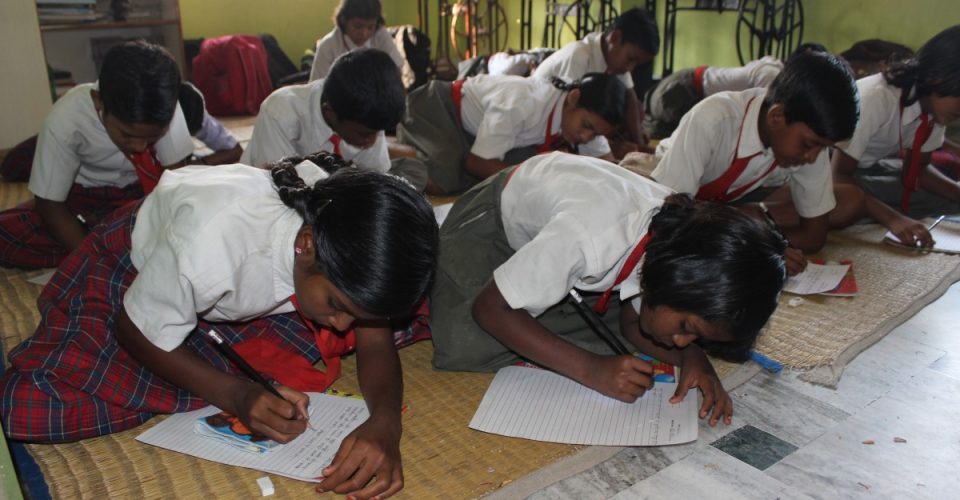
[(851, 205)]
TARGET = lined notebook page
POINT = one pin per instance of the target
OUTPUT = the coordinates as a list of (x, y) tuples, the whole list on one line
[(816, 278), (332, 418), (544, 406)]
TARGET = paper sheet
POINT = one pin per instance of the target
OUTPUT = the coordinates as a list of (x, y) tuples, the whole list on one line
[(541, 405), (332, 418), (817, 278), (42, 279), (946, 237)]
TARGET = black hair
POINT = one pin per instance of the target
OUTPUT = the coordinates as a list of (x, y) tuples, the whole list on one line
[(191, 102), (817, 89), (714, 261), (376, 237), (600, 93), (139, 83), (638, 27), (364, 86), (363, 9), (877, 50), (935, 69)]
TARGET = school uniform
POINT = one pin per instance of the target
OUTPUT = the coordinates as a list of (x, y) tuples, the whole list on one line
[(676, 94), (291, 123), (211, 247), (716, 154), (884, 129), (214, 135), (502, 117), (335, 44), (576, 59), (77, 163), (538, 238)]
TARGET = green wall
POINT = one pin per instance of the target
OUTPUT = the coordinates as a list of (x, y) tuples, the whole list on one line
[(703, 37)]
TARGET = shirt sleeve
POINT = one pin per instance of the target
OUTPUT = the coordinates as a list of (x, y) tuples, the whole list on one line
[(596, 147), (322, 59), (176, 144), (214, 135), (686, 155), (269, 141), (812, 187), (376, 157), (627, 80), (544, 270), (872, 117), (497, 132), (55, 165)]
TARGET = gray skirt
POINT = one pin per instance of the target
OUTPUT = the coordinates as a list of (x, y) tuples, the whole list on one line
[(431, 125), (472, 245), (882, 180), (666, 103)]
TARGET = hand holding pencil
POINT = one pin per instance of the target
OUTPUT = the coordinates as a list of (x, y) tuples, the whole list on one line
[(280, 420)]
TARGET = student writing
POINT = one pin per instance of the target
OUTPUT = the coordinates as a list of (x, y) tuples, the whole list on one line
[(102, 145), (678, 277), (905, 108), (314, 269), (471, 129), (730, 143)]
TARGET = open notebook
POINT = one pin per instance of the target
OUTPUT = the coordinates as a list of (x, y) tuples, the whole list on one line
[(946, 237), (332, 418)]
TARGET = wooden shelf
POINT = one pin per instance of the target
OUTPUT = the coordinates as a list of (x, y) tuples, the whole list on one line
[(101, 25)]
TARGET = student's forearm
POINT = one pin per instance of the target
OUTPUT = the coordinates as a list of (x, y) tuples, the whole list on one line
[(181, 367), (523, 334), (223, 157), (934, 181), (379, 374), (810, 235), (482, 168), (63, 225)]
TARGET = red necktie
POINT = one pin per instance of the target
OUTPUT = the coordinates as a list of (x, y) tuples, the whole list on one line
[(148, 168), (335, 140), (911, 176), (628, 267)]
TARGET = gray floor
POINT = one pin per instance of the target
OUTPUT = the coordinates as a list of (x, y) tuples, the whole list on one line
[(889, 430)]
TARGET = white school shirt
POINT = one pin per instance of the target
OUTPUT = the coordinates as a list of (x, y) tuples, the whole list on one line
[(73, 147), (213, 242), (214, 135), (503, 63), (702, 147), (879, 131), (336, 44), (576, 59), (505, 112), (573, 221), (291, 123), (754, 74)]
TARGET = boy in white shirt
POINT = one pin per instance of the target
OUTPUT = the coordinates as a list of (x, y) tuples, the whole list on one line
[(632, 39), (345, 113), (730, 142), (102, 145)]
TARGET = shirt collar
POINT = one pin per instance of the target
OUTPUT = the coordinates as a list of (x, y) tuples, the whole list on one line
[(750, 142), (911, 114)]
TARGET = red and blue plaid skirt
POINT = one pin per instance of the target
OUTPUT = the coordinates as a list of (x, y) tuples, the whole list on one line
[(72, 380), (25, 241)]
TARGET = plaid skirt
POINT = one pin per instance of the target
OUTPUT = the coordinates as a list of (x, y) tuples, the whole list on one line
[(25, 241), (72, 380)]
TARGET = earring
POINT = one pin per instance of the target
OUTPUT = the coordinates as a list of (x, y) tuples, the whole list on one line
[(297, 250)]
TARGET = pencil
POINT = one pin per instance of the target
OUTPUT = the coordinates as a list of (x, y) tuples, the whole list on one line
[(597, 325), (939, 220), (240, 363)]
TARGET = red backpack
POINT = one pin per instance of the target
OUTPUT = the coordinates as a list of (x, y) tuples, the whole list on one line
[(231, 72)]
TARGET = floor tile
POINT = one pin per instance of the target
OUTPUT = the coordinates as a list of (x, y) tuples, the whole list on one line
[(754, 446)]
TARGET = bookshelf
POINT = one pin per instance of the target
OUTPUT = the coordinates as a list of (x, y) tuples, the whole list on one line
[(76, 41)]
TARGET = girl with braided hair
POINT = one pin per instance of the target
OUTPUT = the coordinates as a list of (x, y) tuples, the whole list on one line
[(310, 263), (468, 130)]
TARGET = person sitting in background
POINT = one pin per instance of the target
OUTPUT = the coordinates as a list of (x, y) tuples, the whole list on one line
[(359, 24)]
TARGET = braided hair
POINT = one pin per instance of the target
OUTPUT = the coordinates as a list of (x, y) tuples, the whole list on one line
[(376, 237)]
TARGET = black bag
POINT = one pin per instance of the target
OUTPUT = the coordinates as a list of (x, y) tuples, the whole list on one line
[(416, 50), (278, 64)]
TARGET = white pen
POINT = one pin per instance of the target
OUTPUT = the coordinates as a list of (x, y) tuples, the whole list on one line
[(939, 220)]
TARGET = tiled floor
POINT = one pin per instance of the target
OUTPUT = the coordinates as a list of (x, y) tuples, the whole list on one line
[(889, 430)]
